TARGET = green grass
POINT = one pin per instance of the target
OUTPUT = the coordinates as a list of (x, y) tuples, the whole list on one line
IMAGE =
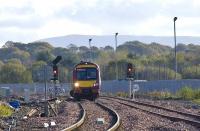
[(185, 93), (197, 101), (122, 94), (5, 111), (160, 94)]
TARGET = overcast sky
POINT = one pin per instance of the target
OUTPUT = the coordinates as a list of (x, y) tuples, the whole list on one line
[(30, 20)]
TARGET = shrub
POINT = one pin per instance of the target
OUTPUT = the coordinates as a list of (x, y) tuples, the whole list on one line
[(186, 93), (122, 94), (160, 94), (5, 111), (197, 93), (197, 101)]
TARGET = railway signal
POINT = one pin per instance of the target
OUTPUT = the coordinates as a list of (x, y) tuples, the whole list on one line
[(55, 72), (55, 67), (130, 71), (55, 61), (130, 75)]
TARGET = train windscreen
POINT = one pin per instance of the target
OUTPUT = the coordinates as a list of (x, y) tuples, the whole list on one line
[(86, 74)]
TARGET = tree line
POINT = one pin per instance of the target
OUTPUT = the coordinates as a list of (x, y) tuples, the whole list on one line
[(24, 63)]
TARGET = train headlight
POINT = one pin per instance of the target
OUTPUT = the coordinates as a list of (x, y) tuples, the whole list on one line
[(76, 84), (96, 84)]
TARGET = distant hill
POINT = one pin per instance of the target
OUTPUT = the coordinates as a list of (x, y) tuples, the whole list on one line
[(101, 41), (30, 51)]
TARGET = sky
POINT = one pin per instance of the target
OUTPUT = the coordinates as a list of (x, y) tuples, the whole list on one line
[(30, 20)]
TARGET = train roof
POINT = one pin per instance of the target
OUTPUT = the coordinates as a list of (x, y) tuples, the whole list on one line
[(86, 63)]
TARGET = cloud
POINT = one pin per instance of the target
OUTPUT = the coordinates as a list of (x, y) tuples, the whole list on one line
[(61, 27), (17, 35), (110, 12), (45, 18), (188, 26), (21, 23), (146, 17)]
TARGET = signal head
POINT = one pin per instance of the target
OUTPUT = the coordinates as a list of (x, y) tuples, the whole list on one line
[(55, 72), (130, 70)]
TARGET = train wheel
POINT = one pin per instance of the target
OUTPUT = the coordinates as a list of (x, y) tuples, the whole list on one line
[(72, 93), (77, 97), (93, 97)]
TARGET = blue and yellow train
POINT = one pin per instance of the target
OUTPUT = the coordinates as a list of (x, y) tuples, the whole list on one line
[(86, 80)]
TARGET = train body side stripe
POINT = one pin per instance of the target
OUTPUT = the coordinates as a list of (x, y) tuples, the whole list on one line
[(85, 66)]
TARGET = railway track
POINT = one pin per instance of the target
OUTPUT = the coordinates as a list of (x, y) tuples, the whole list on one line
[(72, 115), (116, 117), (133, 115), (96, 110), (173, 115), (79, 122)]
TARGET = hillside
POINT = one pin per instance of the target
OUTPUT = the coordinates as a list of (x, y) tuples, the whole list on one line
[(30, 51), (20, 62)]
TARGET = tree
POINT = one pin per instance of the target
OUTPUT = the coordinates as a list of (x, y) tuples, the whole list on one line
[(15, 72), (22, 55), (1, 64), (191, 72), (94, 48), (45, 56), (104, 57), (108, 48), (14, 61), (8, 44), (69, 60), (64, 74), (83, 49), (59, 51), (37, 71), (109, 71), (73, 48)]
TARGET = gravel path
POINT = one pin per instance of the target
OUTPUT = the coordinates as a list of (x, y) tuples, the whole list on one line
[(133, 119), (93, 111)]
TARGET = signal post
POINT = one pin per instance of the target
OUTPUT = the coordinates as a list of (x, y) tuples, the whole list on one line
[(130, 76), (55, 73), (55, 78)]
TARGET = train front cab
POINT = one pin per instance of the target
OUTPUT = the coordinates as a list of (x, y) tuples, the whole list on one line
[(86, 81)]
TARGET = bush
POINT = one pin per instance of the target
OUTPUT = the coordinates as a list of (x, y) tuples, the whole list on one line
[(197, 101), (122, 94), (197, 94), (160, 94), (186, 93), (5, 111)]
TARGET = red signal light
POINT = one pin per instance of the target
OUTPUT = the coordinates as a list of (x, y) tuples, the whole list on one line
[(130, 70), (55, 72)]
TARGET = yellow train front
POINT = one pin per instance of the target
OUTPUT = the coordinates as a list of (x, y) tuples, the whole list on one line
[(86, 81)]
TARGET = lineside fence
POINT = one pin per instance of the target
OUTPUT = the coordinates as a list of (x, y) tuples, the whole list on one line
[(112, 86)]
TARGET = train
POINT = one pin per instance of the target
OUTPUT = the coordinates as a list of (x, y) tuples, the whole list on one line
[(86, 81)]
